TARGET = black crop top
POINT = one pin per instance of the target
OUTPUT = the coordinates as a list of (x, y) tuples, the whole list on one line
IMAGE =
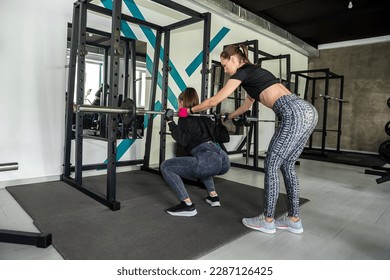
[(254, 79)]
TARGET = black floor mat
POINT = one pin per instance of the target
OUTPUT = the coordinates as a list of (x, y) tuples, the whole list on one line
[(84, 229)]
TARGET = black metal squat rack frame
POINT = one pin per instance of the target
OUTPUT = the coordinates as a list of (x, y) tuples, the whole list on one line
[(77, 61), (322, 75)]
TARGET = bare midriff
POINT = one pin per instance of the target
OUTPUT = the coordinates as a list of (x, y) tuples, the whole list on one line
[(273, 93)]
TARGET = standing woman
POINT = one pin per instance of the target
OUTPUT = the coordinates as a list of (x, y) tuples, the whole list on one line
[(207, 160), (298, 119)]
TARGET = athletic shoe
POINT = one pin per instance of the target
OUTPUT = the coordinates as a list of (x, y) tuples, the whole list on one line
[(259, 223), (213, 201), (286, 223), (182, 210)]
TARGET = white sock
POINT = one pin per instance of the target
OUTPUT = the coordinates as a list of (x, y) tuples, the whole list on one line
[(188, 203)]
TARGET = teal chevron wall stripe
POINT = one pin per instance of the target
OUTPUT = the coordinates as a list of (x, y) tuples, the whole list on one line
[(213, 43), (127, 31), (171, 96), (152, 40), (124, 26)]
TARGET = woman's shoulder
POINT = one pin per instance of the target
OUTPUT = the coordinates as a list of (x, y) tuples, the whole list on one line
[(249, 66), (188, 120)]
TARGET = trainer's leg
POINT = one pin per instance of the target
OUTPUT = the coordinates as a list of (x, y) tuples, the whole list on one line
[(272, 165), (308, 118), (291, 183)]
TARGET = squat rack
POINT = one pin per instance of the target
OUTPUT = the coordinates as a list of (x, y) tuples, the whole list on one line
[(77, 61), (324, 75)]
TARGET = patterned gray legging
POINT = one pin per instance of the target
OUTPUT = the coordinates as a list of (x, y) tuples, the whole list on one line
[(298, 119)]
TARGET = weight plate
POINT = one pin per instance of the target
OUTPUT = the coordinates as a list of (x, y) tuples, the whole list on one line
[(387, 128), (384, 151), (128, 104)]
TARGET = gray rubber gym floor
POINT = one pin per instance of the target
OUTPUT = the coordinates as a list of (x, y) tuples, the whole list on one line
[(347, 218)]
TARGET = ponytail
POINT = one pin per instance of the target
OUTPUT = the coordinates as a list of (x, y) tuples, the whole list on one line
[(244, 53), (235, 50)]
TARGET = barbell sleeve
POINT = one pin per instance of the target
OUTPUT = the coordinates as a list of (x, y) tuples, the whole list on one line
[(100, 109)]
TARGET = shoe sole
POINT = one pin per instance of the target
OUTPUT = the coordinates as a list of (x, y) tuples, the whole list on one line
[(183, 213), (293, 230), (262, 229), (213, 204)]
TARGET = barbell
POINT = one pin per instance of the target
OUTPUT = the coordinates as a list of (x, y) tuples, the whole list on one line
[(129, 111), (333, 98)]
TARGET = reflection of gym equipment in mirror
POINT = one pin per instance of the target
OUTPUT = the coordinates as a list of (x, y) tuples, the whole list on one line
[(250, 131), (312, 78), (97, 55), (40, 240), (119, 49)]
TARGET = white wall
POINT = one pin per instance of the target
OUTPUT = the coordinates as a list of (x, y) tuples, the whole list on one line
[(33, 77)]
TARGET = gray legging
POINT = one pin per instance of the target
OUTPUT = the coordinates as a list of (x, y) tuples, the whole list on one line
[(298, 119), (207, 161)]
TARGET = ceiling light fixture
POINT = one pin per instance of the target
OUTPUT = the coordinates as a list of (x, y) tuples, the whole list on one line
[(350, 5)]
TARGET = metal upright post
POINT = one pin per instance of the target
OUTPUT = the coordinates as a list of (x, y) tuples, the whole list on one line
[(256, 114), (82, 52), (313, 102), (104, 95), (133, 81), (206, 56), (115, 51), (70, 90), (325, 114), (341, 102), (128, 74), (164, 91), (288, 72)]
